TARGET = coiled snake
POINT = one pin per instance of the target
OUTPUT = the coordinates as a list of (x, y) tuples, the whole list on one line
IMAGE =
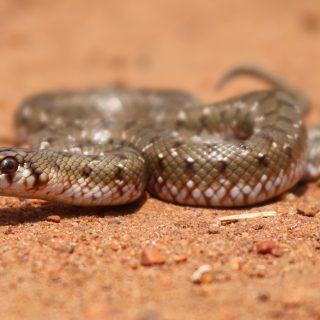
[(106, 147)]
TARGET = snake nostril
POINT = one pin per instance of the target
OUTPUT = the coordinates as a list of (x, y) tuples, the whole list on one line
[(9, 165)]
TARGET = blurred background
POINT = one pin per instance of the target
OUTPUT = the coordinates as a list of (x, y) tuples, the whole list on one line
[(160, 43)]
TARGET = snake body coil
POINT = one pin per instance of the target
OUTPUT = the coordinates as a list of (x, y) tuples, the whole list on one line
[(106, 147)]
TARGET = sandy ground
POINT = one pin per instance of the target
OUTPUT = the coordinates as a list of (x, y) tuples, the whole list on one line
[(86, 264)]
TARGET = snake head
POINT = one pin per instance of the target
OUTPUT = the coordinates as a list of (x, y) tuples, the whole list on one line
[(17, 174), (72, 178)]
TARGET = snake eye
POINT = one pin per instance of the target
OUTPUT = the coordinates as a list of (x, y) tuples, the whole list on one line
[(8, 165)]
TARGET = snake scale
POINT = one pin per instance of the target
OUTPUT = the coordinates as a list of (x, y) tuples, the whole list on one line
[(107, 146)]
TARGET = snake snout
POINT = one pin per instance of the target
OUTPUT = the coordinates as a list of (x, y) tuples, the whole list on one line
[(13, 166)]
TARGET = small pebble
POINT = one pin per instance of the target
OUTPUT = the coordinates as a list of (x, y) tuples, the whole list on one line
[(214, 227), (258, 271), (235, 263), (289, 197), (180, 258), (258, 226), (9, 231), (62, 247), (115, 246), (291, 301), (308, 207), (114, 221), (203, 274), (151, 255), (133, 264), (54, 218), (277, 252), (265, 247), (263, 296)]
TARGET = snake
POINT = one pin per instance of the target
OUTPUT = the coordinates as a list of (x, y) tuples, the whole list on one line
[(108, 146)]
